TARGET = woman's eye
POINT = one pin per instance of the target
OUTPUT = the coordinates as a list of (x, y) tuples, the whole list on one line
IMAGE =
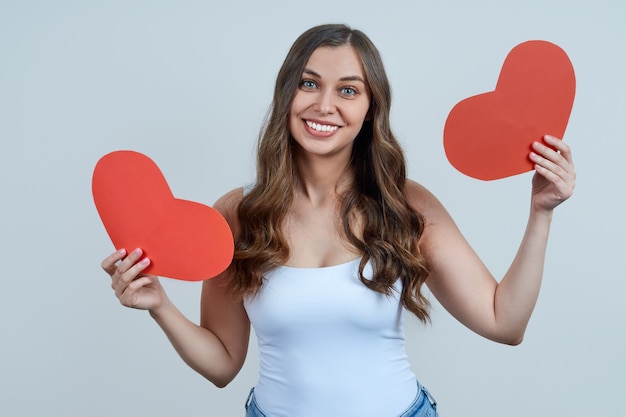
[(308, 84), (348, 91)]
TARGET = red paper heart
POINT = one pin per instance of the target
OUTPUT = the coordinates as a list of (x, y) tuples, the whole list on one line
[(183, 239), (488, 136)]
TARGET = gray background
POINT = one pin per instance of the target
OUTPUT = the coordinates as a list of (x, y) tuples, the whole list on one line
[(188, 84)]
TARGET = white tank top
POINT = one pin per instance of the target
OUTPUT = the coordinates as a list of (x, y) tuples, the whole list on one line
[(329, 346)]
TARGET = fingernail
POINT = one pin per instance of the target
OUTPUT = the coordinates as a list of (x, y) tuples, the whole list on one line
[(137, 251), (145, 261), (121, 251)]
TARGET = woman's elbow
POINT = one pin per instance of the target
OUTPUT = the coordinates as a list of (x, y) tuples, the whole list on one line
[(512, 339), (221, 381), (515, 342), (506, 338)]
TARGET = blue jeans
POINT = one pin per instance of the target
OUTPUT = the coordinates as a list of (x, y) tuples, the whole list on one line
[(424, 405)]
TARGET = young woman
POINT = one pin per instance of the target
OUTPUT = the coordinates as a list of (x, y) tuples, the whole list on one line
[(333, 243)]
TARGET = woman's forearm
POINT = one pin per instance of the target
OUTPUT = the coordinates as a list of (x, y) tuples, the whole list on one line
[(517, 292), (200, 348)]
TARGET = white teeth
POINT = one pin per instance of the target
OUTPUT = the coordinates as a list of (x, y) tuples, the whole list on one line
[(321, 128)]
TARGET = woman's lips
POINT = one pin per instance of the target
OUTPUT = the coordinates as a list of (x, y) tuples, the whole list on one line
[(320, 129)]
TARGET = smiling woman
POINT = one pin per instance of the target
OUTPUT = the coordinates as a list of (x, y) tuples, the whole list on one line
[(333, 243), (330, 106)]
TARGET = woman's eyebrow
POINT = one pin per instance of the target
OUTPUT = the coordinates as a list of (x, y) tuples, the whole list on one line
[(346, 78), (311, 72), (352, 78)]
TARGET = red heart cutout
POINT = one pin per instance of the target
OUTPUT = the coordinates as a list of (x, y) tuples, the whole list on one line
[(488, 136), (183, 239)]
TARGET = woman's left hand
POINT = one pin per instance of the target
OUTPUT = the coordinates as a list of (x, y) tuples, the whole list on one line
[(555, 177)]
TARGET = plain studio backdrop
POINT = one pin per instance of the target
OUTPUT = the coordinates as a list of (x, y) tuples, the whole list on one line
[(188, 83)]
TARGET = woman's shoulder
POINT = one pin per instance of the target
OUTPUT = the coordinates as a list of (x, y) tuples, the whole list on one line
[(227, 206), (424, 201), (418, 195), (230, 200)]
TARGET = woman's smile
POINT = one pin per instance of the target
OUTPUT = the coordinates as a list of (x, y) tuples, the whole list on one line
[(320, 128)]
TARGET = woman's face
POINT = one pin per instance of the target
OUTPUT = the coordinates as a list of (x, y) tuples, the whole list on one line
[(331, 102)]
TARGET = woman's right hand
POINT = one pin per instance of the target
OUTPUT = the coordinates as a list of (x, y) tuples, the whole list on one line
[(132, 288)]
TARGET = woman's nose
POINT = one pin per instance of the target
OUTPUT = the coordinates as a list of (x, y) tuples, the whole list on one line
[(325, 103)]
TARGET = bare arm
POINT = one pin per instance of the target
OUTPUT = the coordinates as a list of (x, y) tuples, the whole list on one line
[(218, 346), (460, 281)]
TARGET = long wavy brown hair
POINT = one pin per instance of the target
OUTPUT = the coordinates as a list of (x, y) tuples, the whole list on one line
[(390, 228)]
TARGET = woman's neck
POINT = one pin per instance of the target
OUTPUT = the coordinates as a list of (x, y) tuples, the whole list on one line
[(321, 179)]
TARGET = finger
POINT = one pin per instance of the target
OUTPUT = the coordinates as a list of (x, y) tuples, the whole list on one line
[(558, 144), (130, 275), (128, 262), (560, 158), (129, 297), (124, 266), (546, 164), (562, 180), (560, 147), (551, 176), (109, 263), (565, 152), (546, 151)]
